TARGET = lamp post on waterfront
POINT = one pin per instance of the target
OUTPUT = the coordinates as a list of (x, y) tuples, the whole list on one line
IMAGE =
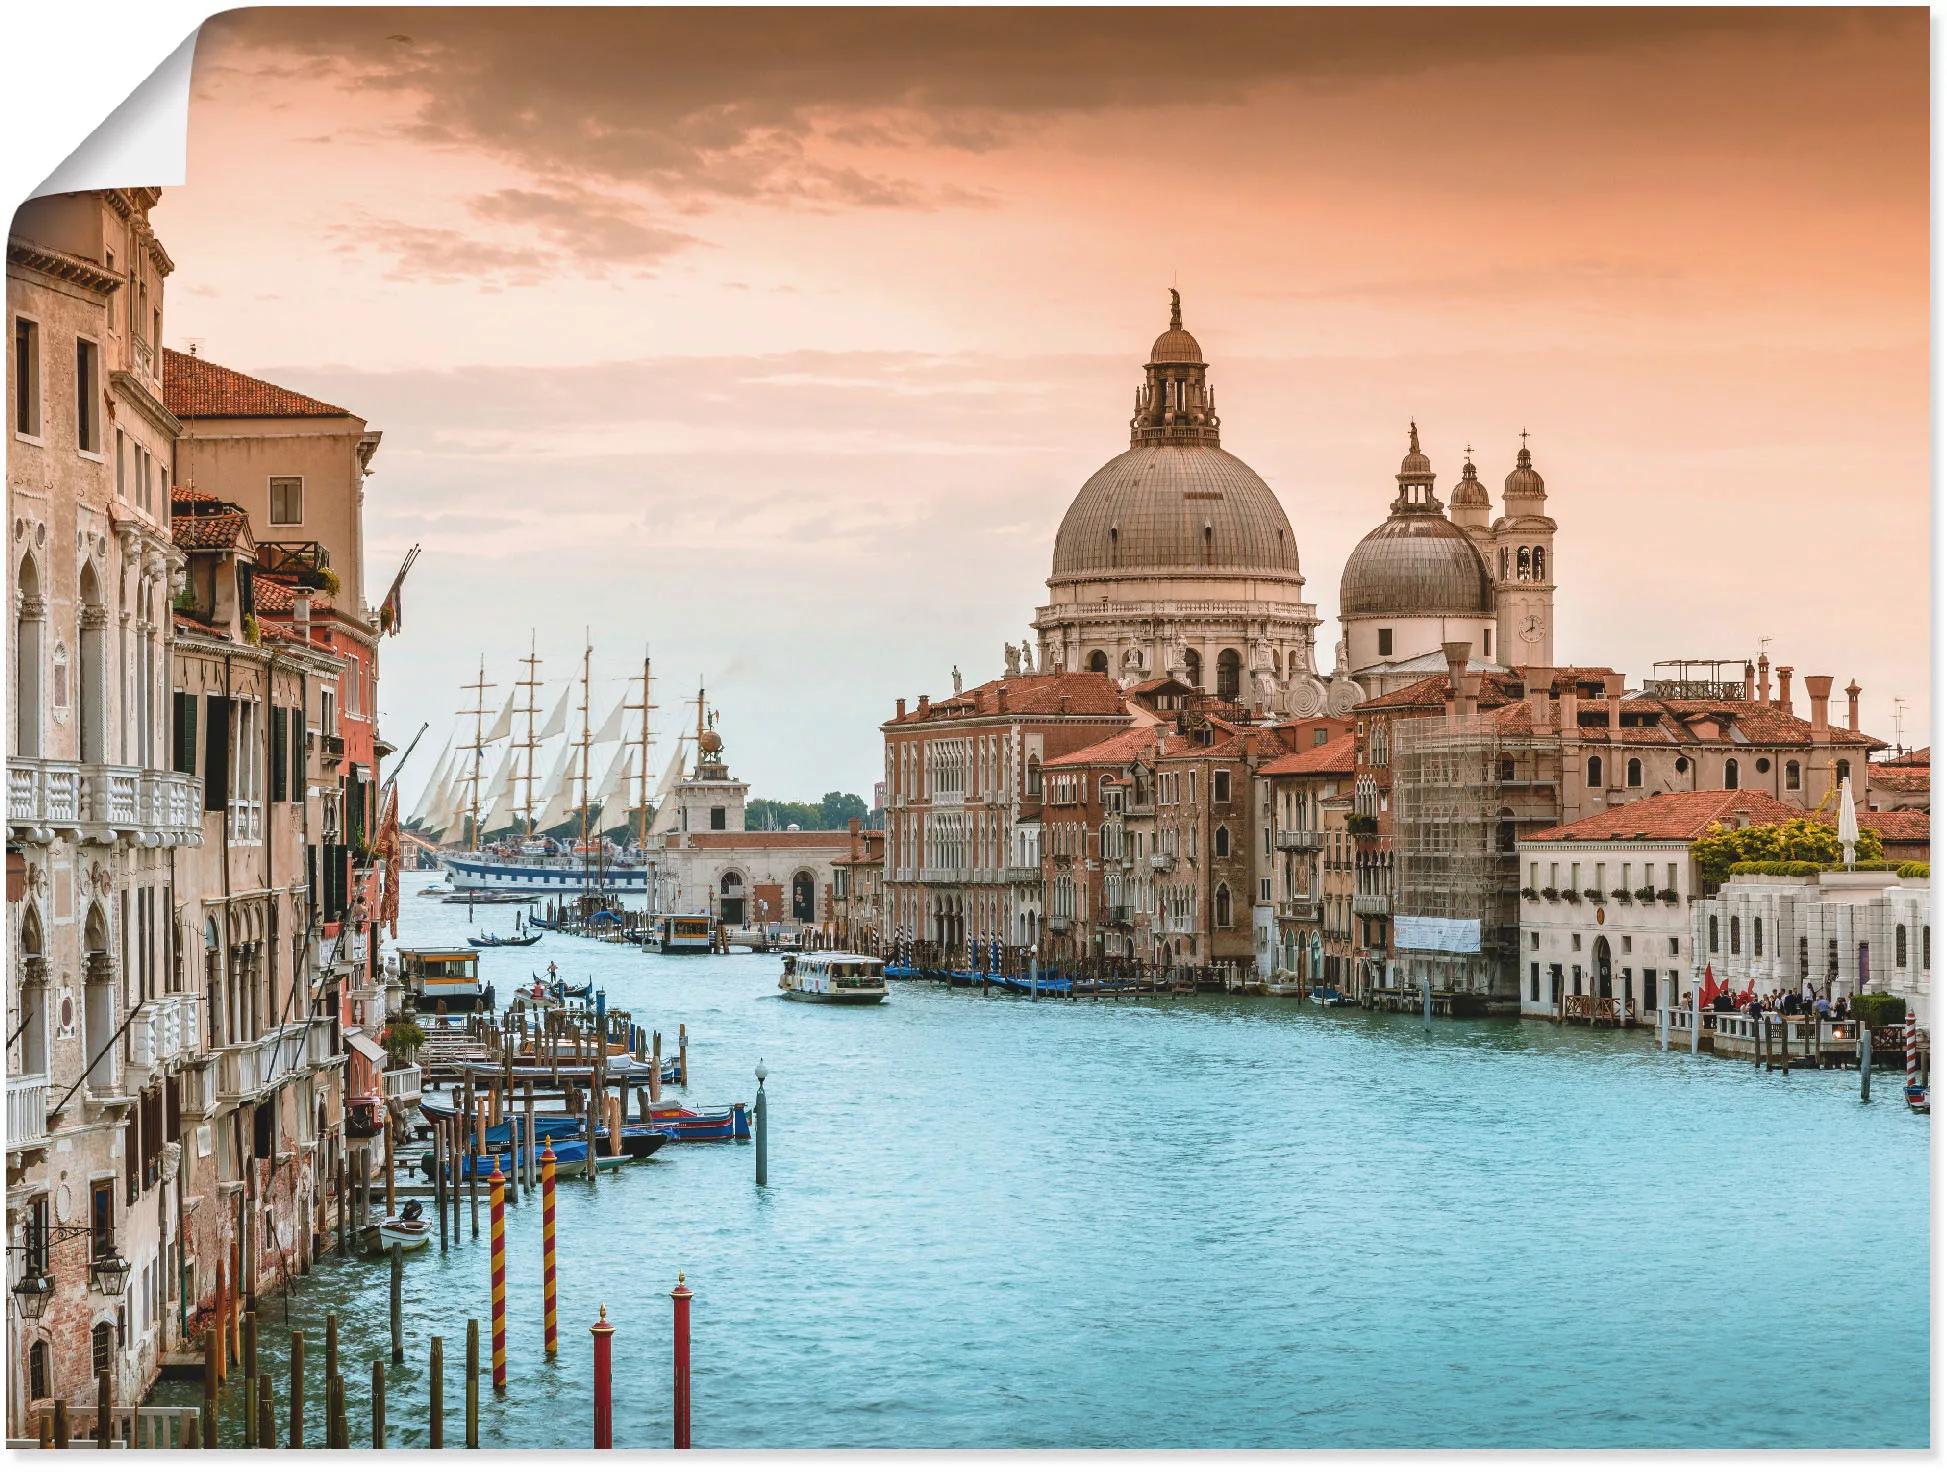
[(763, 1153)]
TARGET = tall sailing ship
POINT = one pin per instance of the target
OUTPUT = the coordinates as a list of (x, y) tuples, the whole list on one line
[(507, 817)]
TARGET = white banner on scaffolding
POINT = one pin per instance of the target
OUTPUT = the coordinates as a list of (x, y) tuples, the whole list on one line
[(1437, 933)]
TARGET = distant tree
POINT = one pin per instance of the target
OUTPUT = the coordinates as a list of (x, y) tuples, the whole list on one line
[(764, 813), (1801, 840), (840, 808)]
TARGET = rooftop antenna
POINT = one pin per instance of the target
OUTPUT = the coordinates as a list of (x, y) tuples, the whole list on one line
[(1899, 722)]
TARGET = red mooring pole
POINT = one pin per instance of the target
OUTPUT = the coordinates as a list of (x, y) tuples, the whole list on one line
[(680, 1297), (499, 1184), (547, 1247), (603, 1331), (1912, 1050)]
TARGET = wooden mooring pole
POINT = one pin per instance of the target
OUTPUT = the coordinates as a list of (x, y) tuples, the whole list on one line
[(436, 1394), (398, 1304), (473, 1382), (297, 1389), (378, 1405), (250, 1436), (266, 1409)]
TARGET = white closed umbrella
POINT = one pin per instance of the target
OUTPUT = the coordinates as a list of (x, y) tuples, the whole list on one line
[(1848, 820)]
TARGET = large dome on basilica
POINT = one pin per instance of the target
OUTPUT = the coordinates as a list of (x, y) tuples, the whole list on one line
[(1175, 508), (1175, 501)]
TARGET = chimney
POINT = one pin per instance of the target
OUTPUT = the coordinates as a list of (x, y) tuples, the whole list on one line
[(901, 710), (1852, 706), (301, 613), (1818, 690), (1764, 679), (1000, 698), (1535, 682), (852, 826), (1458, 702), (1612, 686), (1785, 688), (1571, 709), (1750, 680), (925, 708)]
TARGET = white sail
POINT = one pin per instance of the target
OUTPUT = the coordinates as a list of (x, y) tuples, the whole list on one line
[(435, 785), (558, 722), (610, 785), (504, 724), (612, 727), (665, 820), (564, 790), (445, 806), (494, 792)]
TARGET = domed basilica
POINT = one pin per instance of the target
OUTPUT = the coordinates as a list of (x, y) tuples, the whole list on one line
[(1176, 559)]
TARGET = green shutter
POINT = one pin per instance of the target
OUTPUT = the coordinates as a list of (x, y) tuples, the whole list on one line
[(183, 751), (216, 754), (279, 772)]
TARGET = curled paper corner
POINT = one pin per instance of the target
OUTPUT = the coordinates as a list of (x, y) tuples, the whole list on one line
[(145, 141)]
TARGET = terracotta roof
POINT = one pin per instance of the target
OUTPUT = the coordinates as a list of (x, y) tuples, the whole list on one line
[(276, 596), (1118, 750), (225, 530), (1921, 758), (1900, 778), (1907, 825), (1335, 756), (1671, 816), (196, 388), (190, 496), (185, 624), (1083, 694)]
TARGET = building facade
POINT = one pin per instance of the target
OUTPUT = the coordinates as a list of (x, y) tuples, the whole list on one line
[(1309, 794)]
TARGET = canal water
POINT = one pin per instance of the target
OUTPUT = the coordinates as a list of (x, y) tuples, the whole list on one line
[(1171, 1222)]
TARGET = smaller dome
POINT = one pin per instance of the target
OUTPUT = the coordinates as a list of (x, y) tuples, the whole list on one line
[(1470, 491), (1415, 566), (1524, 479), (1176, 346), (1415, 468)]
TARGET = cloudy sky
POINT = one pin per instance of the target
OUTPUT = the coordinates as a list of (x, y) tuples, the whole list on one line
[(776, 342)]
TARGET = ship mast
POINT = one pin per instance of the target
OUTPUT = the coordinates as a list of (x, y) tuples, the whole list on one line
[(642, 762), (587, 653), (479, 687), (532, 686)]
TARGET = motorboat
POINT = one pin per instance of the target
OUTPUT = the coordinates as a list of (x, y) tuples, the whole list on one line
[(679, 935), (1327, 996), (406, 1230), (732, 1123), (833, 976)]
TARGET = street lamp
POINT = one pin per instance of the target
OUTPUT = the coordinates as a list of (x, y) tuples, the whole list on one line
[(32, 1293), (108, 1274), (762, 1074)]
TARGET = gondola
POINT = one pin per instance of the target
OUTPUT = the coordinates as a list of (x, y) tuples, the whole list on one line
[(486, 942)]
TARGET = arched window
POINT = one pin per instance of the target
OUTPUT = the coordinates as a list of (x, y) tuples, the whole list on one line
[(102, 1342), (1523, 567), (1220, 843), (1193, 668), (1595, 771), (27, 663), (1034, 776), (1791, 776), (1541, 564), (40, 1371), (1841, 769), (1899, 946), (733, 883), (1230, 667), (1757, 935), (1209, 547), (1504, 564), (1804, 959), (1223, 907), (1736, 933), (803, 898), (92, 694), (1730, 774), (1115, 546), (1099, 662), (1635, 771)]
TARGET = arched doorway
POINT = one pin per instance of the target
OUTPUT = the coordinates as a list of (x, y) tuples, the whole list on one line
[(28, 623), (1230, 671), (730, 899), (1193, 668), (1600, 955), (1098, 662), (803, 898)]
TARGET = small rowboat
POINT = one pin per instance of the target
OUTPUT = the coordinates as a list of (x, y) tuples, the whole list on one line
[(405, 1230), (732, 1123), (1916, 1098)]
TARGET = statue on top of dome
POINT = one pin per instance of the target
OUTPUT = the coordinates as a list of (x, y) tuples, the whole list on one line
[(1176, 310)]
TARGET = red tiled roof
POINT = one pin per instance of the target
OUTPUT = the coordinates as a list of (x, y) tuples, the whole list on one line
[(186, 624), (190, 496), (1083, 694), (195, 388), (1900, 778), (210, 533), (1671, 816), (1907, 825), (1119, 749), (1335, 756), (276, 596), (1921, 758)]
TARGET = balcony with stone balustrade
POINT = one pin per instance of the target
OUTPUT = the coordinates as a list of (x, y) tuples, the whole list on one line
[(102, 802)]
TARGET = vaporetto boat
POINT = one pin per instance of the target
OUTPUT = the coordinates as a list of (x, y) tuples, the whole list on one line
[(833, 976)]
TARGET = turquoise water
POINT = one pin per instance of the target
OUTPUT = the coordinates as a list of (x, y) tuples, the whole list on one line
[(993, 1222)]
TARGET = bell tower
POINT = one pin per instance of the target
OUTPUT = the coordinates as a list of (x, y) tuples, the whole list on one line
[(1524, 567)]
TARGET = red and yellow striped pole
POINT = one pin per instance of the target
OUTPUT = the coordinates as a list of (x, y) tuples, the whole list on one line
[(547, 1245), (499, 1184)]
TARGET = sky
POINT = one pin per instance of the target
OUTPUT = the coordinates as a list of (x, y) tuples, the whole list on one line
[(774, 344)]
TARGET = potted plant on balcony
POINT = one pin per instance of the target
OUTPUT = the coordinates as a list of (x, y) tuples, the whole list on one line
[(1593, 896), (1573, 896), (1621, 896), (402, 1039), (1530, 893), (1668, 896), (1646, 894), (1551, 893)]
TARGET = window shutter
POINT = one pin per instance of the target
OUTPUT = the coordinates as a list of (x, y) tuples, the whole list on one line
[(216, 754), (297, 754), (279, 770), (184, 734)]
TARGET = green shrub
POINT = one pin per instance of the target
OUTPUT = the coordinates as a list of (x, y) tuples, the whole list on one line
[(1648, 893), (1786, 868), (1621, 896), (1913, 869), (1879, 1009), (1593, 896), (1530, 893), (1551, 893), (1668, 896)]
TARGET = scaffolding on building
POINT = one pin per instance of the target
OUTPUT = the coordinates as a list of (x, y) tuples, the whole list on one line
[(1456, 814)]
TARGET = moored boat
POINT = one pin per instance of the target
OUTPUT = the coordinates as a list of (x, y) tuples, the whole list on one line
[(490, 940), (833, 976), (679, 935), (1916, 1098), (405, 1230)]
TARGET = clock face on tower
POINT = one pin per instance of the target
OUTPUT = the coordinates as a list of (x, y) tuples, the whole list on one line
[(1531, 629)]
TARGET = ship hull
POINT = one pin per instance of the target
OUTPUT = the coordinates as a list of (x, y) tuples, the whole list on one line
[(469, 873)]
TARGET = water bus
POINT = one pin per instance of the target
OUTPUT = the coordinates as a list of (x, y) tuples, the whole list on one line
[(833, 976), (451, 977), (679, 935)]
